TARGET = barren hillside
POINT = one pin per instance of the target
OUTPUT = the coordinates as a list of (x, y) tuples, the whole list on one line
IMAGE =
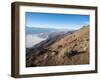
[(66, 49)]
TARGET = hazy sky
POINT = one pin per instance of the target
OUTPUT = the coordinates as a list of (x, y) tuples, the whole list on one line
[(58, 21)]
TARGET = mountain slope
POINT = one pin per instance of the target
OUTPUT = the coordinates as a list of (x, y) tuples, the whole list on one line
[(65, 49)]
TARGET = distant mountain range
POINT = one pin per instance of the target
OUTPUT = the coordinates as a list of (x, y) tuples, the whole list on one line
[(69, 48), (36, 30), (46, 32)]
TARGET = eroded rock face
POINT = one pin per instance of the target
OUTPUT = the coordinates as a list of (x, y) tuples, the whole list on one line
[(72, 49)]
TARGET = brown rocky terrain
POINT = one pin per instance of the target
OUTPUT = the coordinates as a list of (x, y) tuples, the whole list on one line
[(67, 49)]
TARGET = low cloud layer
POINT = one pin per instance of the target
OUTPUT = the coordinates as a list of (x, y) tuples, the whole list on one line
[(32, 40)]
